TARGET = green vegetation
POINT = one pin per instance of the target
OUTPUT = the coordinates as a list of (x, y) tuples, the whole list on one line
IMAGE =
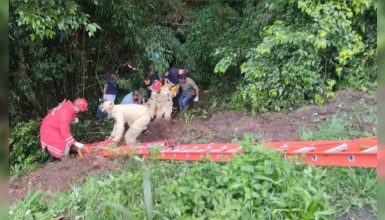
[(26, 152), (305, 60), (267, 55), (257, 183), (342, 127), (188, 119), (335, 129)]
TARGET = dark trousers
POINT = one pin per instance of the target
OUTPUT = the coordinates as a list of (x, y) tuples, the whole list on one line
[(175, 101)]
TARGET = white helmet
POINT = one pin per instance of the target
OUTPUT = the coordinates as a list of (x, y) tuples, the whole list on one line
[(107, 105)]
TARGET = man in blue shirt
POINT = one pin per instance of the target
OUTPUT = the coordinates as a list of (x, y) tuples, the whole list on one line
[(132, 98), (173, 78)]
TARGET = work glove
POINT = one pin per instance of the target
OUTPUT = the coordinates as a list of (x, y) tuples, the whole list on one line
[(110, 140), (79, 145), (75, 120), (196, 99)]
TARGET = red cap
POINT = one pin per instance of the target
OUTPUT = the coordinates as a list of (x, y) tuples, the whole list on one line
[(81, 103), (156, 85)]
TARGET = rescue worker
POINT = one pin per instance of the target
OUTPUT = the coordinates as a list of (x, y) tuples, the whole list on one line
[(160, 103), (136, 116), (55, 132)]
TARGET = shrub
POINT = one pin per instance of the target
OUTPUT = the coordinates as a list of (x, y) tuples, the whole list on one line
[(24, 144), (309, 51)]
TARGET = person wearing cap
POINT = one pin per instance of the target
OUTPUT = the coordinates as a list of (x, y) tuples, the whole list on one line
[(160, 103), (110, 88), (136, 116), (55, 134), (190, 91), (132, 98)]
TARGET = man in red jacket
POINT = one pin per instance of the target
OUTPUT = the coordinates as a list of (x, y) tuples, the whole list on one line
[(55, 134)]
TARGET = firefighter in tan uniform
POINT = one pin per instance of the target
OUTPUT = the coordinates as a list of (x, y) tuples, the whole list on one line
[(136, 116), (160, 103)]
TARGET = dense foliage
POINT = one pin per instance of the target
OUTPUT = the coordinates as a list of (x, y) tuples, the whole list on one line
[(257, 183), (63, 50), (271, 55), (306, 53), (25, 144)]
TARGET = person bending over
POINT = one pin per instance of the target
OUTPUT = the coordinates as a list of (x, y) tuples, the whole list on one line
[(136, 116), (55, 134)]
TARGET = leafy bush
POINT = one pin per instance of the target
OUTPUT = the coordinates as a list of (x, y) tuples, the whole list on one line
[(310, 50), (258, 183), (25, 150), (163, 49), (209, 31), (67, 46)]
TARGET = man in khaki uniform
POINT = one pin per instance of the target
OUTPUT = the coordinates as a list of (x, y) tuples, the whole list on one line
[(160, 103), (136, 116)]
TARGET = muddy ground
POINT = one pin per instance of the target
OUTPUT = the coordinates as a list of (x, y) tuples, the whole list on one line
[(59, 175), (271, 126), (218, 127)]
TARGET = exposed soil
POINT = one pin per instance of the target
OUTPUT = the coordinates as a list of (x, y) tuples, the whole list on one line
[(271, 126), (219, 127), (59, 176), (363, 213)]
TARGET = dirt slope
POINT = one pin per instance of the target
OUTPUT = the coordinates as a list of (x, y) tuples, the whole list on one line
[(271, 126), (219, 127)]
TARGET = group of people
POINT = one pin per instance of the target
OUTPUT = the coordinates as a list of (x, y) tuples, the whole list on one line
[(176, 91), (182, 88)]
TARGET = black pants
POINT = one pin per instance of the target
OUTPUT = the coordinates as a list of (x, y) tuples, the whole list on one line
[(175, 101)]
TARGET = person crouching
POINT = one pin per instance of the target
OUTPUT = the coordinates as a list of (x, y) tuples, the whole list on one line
[(55, 134), (136, 116)]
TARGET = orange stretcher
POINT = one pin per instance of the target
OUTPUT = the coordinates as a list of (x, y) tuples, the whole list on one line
[(349, 153)]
